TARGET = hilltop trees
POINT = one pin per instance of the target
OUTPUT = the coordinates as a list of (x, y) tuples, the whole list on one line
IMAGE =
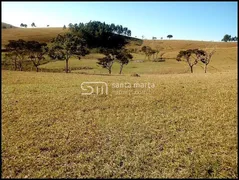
[(33, 24), (64, 27), (228, 37), (68, 45), (101, 35), (193, 56), (169, 36), (23, 25)]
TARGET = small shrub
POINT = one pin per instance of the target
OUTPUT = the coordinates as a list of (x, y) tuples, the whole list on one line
[(135, 75)]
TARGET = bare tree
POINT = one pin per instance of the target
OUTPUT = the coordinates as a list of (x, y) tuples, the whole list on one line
[(187, 55), (205, 57)]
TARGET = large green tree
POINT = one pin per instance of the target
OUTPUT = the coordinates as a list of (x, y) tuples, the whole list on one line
[(68, 45)]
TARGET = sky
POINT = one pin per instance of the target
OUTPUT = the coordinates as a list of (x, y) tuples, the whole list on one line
[(208, 21)]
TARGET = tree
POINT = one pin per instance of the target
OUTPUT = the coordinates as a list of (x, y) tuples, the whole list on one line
[(129, 33), (33, 24), (187, 55), (123, 57), (48, 25), (154, 38), (205, 57), (169, 36), (36, 52), (125, 30), (142, 36), (109, 59), (193, 56), (68, 45), (16, 51), (22, 25), (71, 26), (226, 38), (64, 27), (148, 51)]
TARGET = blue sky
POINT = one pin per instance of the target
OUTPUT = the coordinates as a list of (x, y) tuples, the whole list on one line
[(184, 20)]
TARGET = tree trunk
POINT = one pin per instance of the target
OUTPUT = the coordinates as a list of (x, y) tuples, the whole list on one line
[(37, 68), (191, 67), (109, 70), (205, 68), (121, 68), (20, 66), (66, 66), (15, 64)]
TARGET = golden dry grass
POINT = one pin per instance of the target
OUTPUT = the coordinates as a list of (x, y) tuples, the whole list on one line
[(185, 127)]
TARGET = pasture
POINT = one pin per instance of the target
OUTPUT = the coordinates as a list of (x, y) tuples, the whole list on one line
[(184, 127)]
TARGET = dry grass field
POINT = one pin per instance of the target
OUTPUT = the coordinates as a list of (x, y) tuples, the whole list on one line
[(184, 127)]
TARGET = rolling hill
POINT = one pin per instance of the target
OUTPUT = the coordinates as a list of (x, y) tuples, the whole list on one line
[(46, 34), (7, 26)]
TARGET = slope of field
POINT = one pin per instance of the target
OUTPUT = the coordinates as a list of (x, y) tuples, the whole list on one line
[(184, 127), (40, 34)]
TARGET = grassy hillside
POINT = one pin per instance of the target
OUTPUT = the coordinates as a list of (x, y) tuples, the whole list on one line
[(46, 34), (39, 34), (29, 34)]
